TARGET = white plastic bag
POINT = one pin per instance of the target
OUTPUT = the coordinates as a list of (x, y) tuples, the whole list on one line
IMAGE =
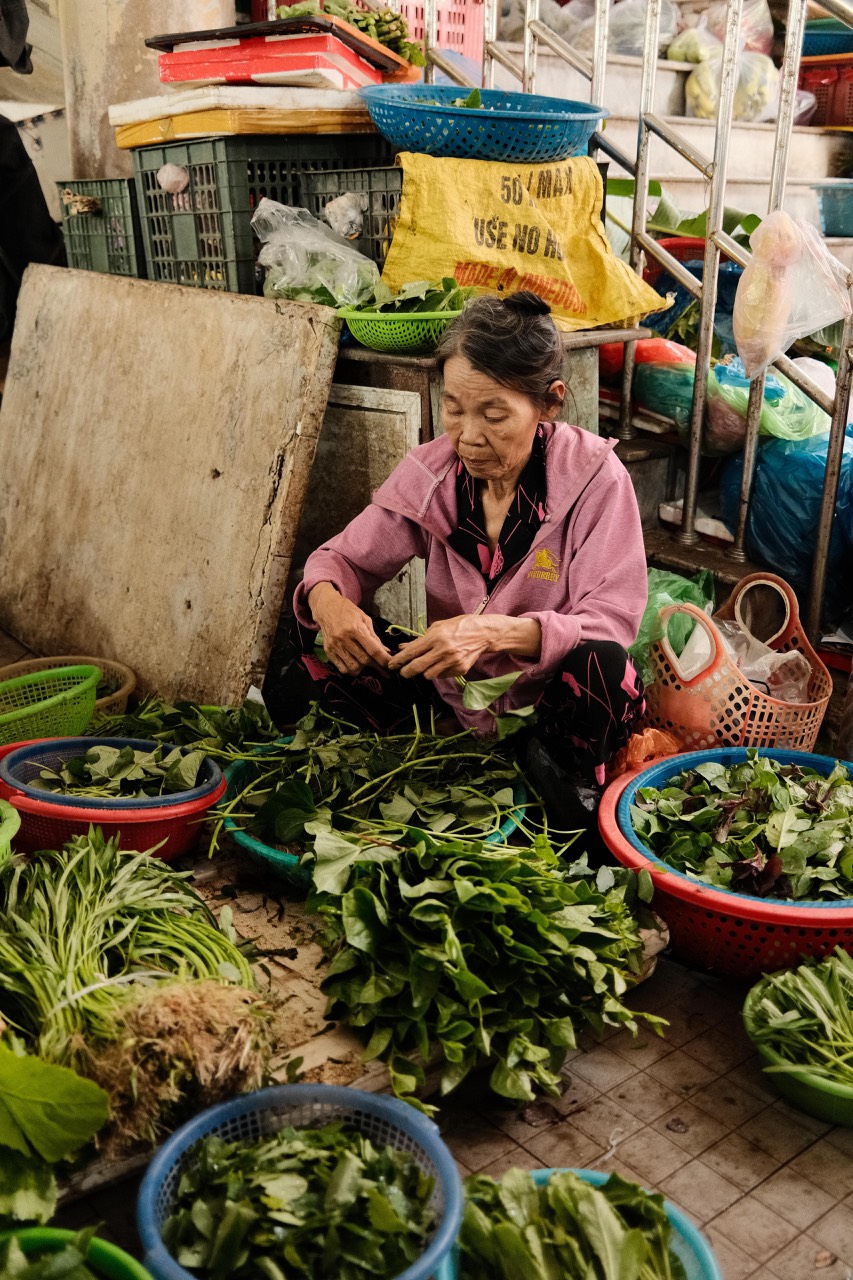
[(756, 25), (792, 287), (780, 675), (305, 260), (756, 95), (627, 29), (694, 44)]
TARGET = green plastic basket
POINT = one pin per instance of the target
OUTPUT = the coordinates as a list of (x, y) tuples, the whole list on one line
[(108, 238), (412, 332), (812, 1094), (287, 865), (58, 703), (106, 1260)]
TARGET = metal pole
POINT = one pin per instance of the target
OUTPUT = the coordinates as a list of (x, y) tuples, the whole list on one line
[(778, 179), (625, 429), (835, 454), (599, 53), (728, 84), (490, 35), (531, 14), (430, 32)]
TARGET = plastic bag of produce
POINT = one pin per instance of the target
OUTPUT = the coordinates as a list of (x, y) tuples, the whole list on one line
[(791, 287), (756, 24), (695, 44), (305, 260), (667, 588), (788, 413), (756, 94), (785, 511), (667, 389), (627, 29)]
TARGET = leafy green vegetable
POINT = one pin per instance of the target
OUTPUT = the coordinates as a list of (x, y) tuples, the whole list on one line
[(516, 1230), (806, 1015), (46, 1110), (222, 732), (10, 821), (760, 827), (384, 25), (66, 1263), (368, 782), (489, 952), (123, 773), (28, 1191), (307, 1202), (421, 296)]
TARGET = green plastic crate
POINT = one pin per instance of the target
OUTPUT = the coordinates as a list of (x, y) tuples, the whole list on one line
[(383, 187), (202, 236), (107, 238)]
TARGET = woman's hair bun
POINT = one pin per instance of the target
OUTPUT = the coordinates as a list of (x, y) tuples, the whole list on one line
[(527, 303)]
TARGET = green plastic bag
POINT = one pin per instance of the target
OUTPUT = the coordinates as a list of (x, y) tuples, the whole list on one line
[(667, 588)]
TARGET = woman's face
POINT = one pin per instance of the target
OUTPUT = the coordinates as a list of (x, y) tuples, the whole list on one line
[(491, 427)]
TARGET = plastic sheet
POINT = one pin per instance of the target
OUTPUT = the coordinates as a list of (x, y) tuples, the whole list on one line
[(306, 261), (787, 412), (667, 389), (792, 287), (785, 511), (667, 588)]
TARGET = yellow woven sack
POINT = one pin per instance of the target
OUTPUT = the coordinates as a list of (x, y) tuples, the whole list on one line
[(505, 227)]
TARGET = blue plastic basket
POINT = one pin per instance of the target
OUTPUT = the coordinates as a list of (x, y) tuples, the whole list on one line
[(658, 775), (835, 201), (20, 767), (511, 126), (385, 1121), (288, 865), (688, 1243), (826, 36)]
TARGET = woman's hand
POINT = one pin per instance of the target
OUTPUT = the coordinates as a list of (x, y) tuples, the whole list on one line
[(451, 647), (348, 636)]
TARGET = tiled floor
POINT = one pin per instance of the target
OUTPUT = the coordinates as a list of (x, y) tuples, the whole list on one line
[(689, 1114)]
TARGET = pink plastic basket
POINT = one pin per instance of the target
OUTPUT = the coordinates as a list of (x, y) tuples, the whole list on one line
[(461, 25)]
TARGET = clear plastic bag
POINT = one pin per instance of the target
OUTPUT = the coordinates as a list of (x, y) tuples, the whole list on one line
[(694, 44), (787, 412), (756, 95), (627, 29), (792, 287), (784, 676), (756, 25), (305, 261)]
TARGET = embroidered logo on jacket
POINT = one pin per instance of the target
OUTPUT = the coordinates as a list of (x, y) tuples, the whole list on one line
[(545, 565)]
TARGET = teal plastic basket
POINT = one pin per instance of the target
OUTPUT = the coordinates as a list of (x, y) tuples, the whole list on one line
[(287, 865), (688, 1244)]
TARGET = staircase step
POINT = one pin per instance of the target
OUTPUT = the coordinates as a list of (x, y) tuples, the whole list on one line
[(622, 82)]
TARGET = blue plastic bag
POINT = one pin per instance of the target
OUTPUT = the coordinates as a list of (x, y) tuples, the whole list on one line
[(785, 511)]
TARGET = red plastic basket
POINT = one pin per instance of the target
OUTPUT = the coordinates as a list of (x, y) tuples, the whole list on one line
[(723, 932), (830, 79), (684, 248), (460, 26), (49, 826)]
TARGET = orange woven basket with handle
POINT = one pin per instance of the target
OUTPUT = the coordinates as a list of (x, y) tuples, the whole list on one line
[(717, 706)]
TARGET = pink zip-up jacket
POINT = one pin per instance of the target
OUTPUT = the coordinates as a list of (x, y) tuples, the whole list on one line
[(584, 577)]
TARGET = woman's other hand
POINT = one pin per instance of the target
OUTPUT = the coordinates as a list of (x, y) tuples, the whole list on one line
[(451, 647), (349, 640)]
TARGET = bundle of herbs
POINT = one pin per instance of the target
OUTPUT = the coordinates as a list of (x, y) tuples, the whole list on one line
[(806, 1016), (566, 1228), (221, 732), (122, 773), (68, 1262), (112, 965), (489, 953), (760, 827), (330, 774), (311, 1203), (385, 25)]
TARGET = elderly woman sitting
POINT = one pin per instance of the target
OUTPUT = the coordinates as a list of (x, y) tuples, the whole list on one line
[(534, 556)]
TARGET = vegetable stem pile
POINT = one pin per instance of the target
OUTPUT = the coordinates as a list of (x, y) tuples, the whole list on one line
[(806, 1016), (307, 1202), (760, 827)]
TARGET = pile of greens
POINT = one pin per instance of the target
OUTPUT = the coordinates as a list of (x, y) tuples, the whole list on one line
[(122, 773), (422, 296), (806, 1016), (222, 732), (65, 1263), (384, 25), (763, 828), (490, 953), (304, 1202), (331, 775), (514, 1228), (112, 965)]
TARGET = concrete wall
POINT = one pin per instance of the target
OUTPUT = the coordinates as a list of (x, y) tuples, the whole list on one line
[(106, 61)]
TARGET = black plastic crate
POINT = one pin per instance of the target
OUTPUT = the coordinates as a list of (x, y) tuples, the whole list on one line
[(383, 188), (100, 225), (202, 235)]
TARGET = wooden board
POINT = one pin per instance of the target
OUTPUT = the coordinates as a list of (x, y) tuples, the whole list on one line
[(157, 442), (366, 432), (235, 121)]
